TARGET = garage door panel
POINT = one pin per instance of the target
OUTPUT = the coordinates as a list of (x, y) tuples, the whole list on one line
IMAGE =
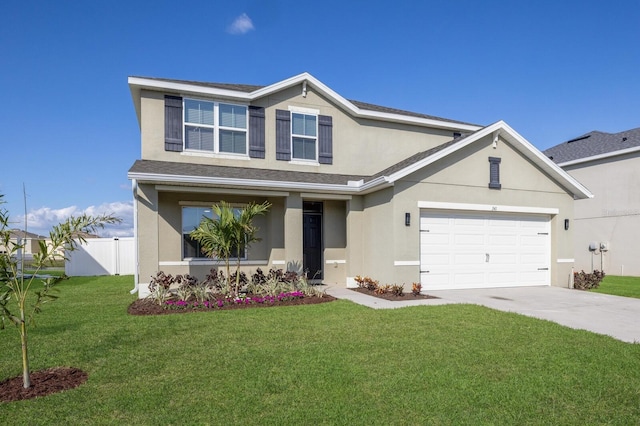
[(483, 250), (468, 259), (502, 278), (503, 240), (438, 239), (435, 259), (503, 259), (469, 239)]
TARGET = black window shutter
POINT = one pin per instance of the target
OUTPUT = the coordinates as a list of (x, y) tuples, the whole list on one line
[(283, 135), (494, 173), (172, 123), (256, 132), (325, 139)]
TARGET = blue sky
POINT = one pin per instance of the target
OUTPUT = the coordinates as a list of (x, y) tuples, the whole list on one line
[(552, 70)]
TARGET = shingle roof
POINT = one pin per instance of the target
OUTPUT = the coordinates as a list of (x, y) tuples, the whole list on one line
[(226, 172), (592, 144), (248, 88), (19, 233), (153, 167)]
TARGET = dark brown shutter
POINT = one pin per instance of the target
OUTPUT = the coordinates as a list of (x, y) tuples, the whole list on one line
[(325, 139), (256, 132), (173, 123), (494, 173), (283, 135)]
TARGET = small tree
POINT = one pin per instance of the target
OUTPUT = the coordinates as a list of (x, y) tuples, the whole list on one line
[(20, 297), (228, 234)]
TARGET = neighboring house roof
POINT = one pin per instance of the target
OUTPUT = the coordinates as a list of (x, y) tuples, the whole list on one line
[(594, 145), (248, 93), (195, 174), (19, 233)]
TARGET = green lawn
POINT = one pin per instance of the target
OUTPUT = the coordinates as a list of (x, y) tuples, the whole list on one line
[(620, 286), (333, 363)]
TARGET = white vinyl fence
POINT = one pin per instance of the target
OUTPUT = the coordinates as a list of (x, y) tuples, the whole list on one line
[(102, 256)]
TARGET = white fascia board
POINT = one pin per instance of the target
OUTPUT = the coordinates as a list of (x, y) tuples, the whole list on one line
[(189, 88), (139, 82), (600, 156), (579, 191), (520, 143)]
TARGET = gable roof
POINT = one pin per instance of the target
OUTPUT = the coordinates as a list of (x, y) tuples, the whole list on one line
[(594, 145), (197, 174), (19, 233), (248, 93)]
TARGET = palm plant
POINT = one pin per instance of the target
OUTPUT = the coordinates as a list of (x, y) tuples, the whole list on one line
[(229, 233), (245, 231)]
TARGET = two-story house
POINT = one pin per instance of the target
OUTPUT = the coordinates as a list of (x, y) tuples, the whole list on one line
[(355, 188), (607, 227)]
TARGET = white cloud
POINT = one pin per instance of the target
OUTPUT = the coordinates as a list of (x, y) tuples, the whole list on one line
[(241, 25), (40, 221)]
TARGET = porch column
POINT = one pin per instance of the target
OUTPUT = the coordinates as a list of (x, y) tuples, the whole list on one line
[(355, 247), (147, 236), (293, 232)]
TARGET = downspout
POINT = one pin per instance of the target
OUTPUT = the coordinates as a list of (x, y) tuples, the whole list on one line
[(134, 188)]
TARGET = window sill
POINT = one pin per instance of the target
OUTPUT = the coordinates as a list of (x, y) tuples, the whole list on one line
[(305, 162), (208, 262), (215, 155)]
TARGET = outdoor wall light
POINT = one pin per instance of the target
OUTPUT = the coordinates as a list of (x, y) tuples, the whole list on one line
[(566, 224), (407, 219)]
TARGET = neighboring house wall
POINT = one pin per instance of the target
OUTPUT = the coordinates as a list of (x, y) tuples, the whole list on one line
[(612, 217)]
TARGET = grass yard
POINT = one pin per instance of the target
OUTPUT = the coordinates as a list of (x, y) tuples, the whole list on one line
[(332, 363), (620, 286)]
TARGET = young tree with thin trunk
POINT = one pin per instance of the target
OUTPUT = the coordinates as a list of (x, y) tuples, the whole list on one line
[(22, 295)]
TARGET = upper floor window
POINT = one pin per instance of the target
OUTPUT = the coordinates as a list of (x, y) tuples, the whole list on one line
[(304, 131), (215, 127)]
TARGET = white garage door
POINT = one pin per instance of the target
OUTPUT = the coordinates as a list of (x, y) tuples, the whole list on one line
[(475, 250)]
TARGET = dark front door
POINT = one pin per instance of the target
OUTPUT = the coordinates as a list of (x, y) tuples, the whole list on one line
[(312, 239)]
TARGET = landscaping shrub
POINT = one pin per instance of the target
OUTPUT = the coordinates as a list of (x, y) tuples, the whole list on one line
[(585, 281), (216, 289), (416, 288), (366, 283), (397, 290)]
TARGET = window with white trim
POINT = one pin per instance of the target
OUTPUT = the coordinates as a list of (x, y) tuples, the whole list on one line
[(215, 127), (191, 218), (304, 131)]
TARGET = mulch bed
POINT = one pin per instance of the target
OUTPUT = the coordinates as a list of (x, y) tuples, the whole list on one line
[(393, 297), (148, 307), (43, 383)]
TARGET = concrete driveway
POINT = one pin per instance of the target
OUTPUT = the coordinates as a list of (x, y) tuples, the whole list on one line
[(615, 316)]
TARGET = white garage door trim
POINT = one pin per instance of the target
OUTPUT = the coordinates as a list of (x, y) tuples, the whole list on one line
[(482, 249)]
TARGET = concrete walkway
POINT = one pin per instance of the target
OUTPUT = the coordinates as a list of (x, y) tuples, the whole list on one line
[(615, 316)]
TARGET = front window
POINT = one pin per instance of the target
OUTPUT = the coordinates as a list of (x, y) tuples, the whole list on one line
[(191, 217), (215, 127), (304, 130)]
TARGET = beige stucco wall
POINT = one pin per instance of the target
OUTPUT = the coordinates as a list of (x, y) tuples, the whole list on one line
[(376, 145), (611, 217), (280, 232), (460, 178)]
